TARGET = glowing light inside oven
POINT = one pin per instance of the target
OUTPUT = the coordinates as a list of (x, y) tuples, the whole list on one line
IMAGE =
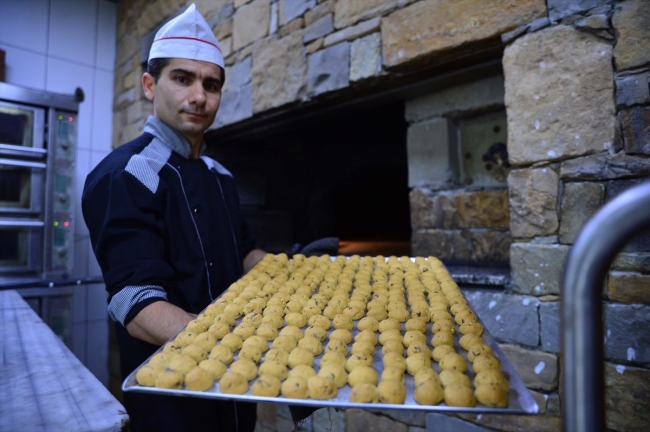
[(56, 223)]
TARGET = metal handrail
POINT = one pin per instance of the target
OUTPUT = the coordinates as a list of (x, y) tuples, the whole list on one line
[(583, 407)]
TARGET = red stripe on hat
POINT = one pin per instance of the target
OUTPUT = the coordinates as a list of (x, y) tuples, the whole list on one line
[(188, 38)]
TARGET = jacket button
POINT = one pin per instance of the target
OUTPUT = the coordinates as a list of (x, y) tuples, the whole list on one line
[(210, 264), (196, 211)]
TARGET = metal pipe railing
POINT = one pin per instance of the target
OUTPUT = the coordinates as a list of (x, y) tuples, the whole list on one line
[(583, 407)]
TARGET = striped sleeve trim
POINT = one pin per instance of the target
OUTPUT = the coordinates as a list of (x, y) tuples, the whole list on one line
[(146, 165), (122, 302)]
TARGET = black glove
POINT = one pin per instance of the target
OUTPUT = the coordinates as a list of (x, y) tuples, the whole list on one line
[(327, 245)]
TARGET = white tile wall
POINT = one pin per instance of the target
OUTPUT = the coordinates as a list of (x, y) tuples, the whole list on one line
[(59, 45)]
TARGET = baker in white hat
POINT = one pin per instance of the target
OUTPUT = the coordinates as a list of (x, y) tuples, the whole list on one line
[(165, 226)]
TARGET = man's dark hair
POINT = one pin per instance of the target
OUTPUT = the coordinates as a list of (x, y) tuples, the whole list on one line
[(155, 67)]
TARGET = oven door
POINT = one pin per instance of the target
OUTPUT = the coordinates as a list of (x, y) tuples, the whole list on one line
[(22, 130), (22, 184), (21, 246)]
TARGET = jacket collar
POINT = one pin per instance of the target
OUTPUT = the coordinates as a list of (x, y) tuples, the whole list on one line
[(169, 137)]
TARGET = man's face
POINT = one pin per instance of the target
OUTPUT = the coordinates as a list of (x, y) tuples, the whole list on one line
[(186, 96)]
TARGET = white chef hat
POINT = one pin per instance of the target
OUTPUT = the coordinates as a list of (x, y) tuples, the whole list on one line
[(187, 36)]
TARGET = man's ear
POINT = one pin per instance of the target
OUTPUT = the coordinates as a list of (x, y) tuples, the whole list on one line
[(148, 85)]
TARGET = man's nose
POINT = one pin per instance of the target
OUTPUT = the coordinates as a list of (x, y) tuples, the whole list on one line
[(197, 95)]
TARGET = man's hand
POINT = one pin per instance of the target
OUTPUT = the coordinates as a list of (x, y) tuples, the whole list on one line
[(158, 322), (253, 258)]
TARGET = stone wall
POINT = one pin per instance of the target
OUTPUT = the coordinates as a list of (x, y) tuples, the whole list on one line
[(577, 101)]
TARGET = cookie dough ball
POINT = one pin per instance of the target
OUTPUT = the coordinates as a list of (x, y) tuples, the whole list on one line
[(459, 396), (366, 336), (197, 352), (465, 316), (471, 327), (468, 340), (412, 336), (251, 352), (453, 361), (232, 341), (368, 323), (295, 387), (491, 395), (318, 332), (443, 325), (258, 341), (457, 308), (395, 360), (245, 368), (219, 330), (492, 376), (441, 351), (417, 362), (341, 334), (354, 312), (277, 355), (169, 379), (223, 354), (452, 378), (185, 338), (442, 338), (206, 340), (267, 331), (266, 385), (275, 369), (198, 379), (300, 356), (428, 392), (391, 392), (477, 350), (274, 321), (363, 347), (418, 347), (293, 306), (391, 334), (364, 393), (303, 371), (225, 318), (147, 374), (416, 324), (335, 372), (321, 388), (311, 344), (293, 331), (363, 374), (485, 362), (392, 345), (321, 321), (337, 346), (214, 366), (245, 330), (295, 319), (182, 364), (437, 315), (311, 310), (401, 315), (392, 373), (162, 357), (233, 383), (286, 343), (172, 348), (273, 310), (342, 321), (332, 357), (377, 313), (357, 360), (426, 375)]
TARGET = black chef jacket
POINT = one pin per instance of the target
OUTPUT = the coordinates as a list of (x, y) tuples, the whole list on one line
[(163, 227)]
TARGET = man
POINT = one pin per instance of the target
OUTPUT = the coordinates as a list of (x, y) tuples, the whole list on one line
[(165, 226)]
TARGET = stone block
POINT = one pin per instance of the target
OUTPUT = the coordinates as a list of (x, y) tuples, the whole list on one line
[(267, 415), (314, 46), (124, 99), (365, 57), (579, 203), (537, 268), (550, 326), (431, 150), (553, 404), (558, 9), (463, 247), (627, 287), (156, 13), (539, 24), (604, 167), (641, 241), (328, 420), (445, 422), (240, 3), (538, 370), (632, 90), (292, 9), (279, 72), (635, 125), (626, 333), (320, 28), (291, 27), (630, 21), (240, 73), (251, 23), (431, 29), (627, 392), (482, 209), (594, 22), (329, 69), (236, 105), (223, 29), (516, 423), (632, 261), (533, 202), (357, 420), (411, 418), (209, 8), (551, 117), (349, 12), (317, 12), (541, 399), (509, 318), (273, 25), (226, 47), (354, 32), (476, 96)]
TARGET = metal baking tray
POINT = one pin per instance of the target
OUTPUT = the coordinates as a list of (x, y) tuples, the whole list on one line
[(520, 401)]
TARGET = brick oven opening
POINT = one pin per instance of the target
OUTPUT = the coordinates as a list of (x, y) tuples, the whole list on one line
[(341, 173)]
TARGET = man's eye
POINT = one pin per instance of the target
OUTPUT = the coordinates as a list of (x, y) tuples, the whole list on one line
[(181, 79)]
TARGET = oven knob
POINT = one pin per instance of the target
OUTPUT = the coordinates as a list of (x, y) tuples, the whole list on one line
[(65, 145), (63, 198), (61, 252)]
